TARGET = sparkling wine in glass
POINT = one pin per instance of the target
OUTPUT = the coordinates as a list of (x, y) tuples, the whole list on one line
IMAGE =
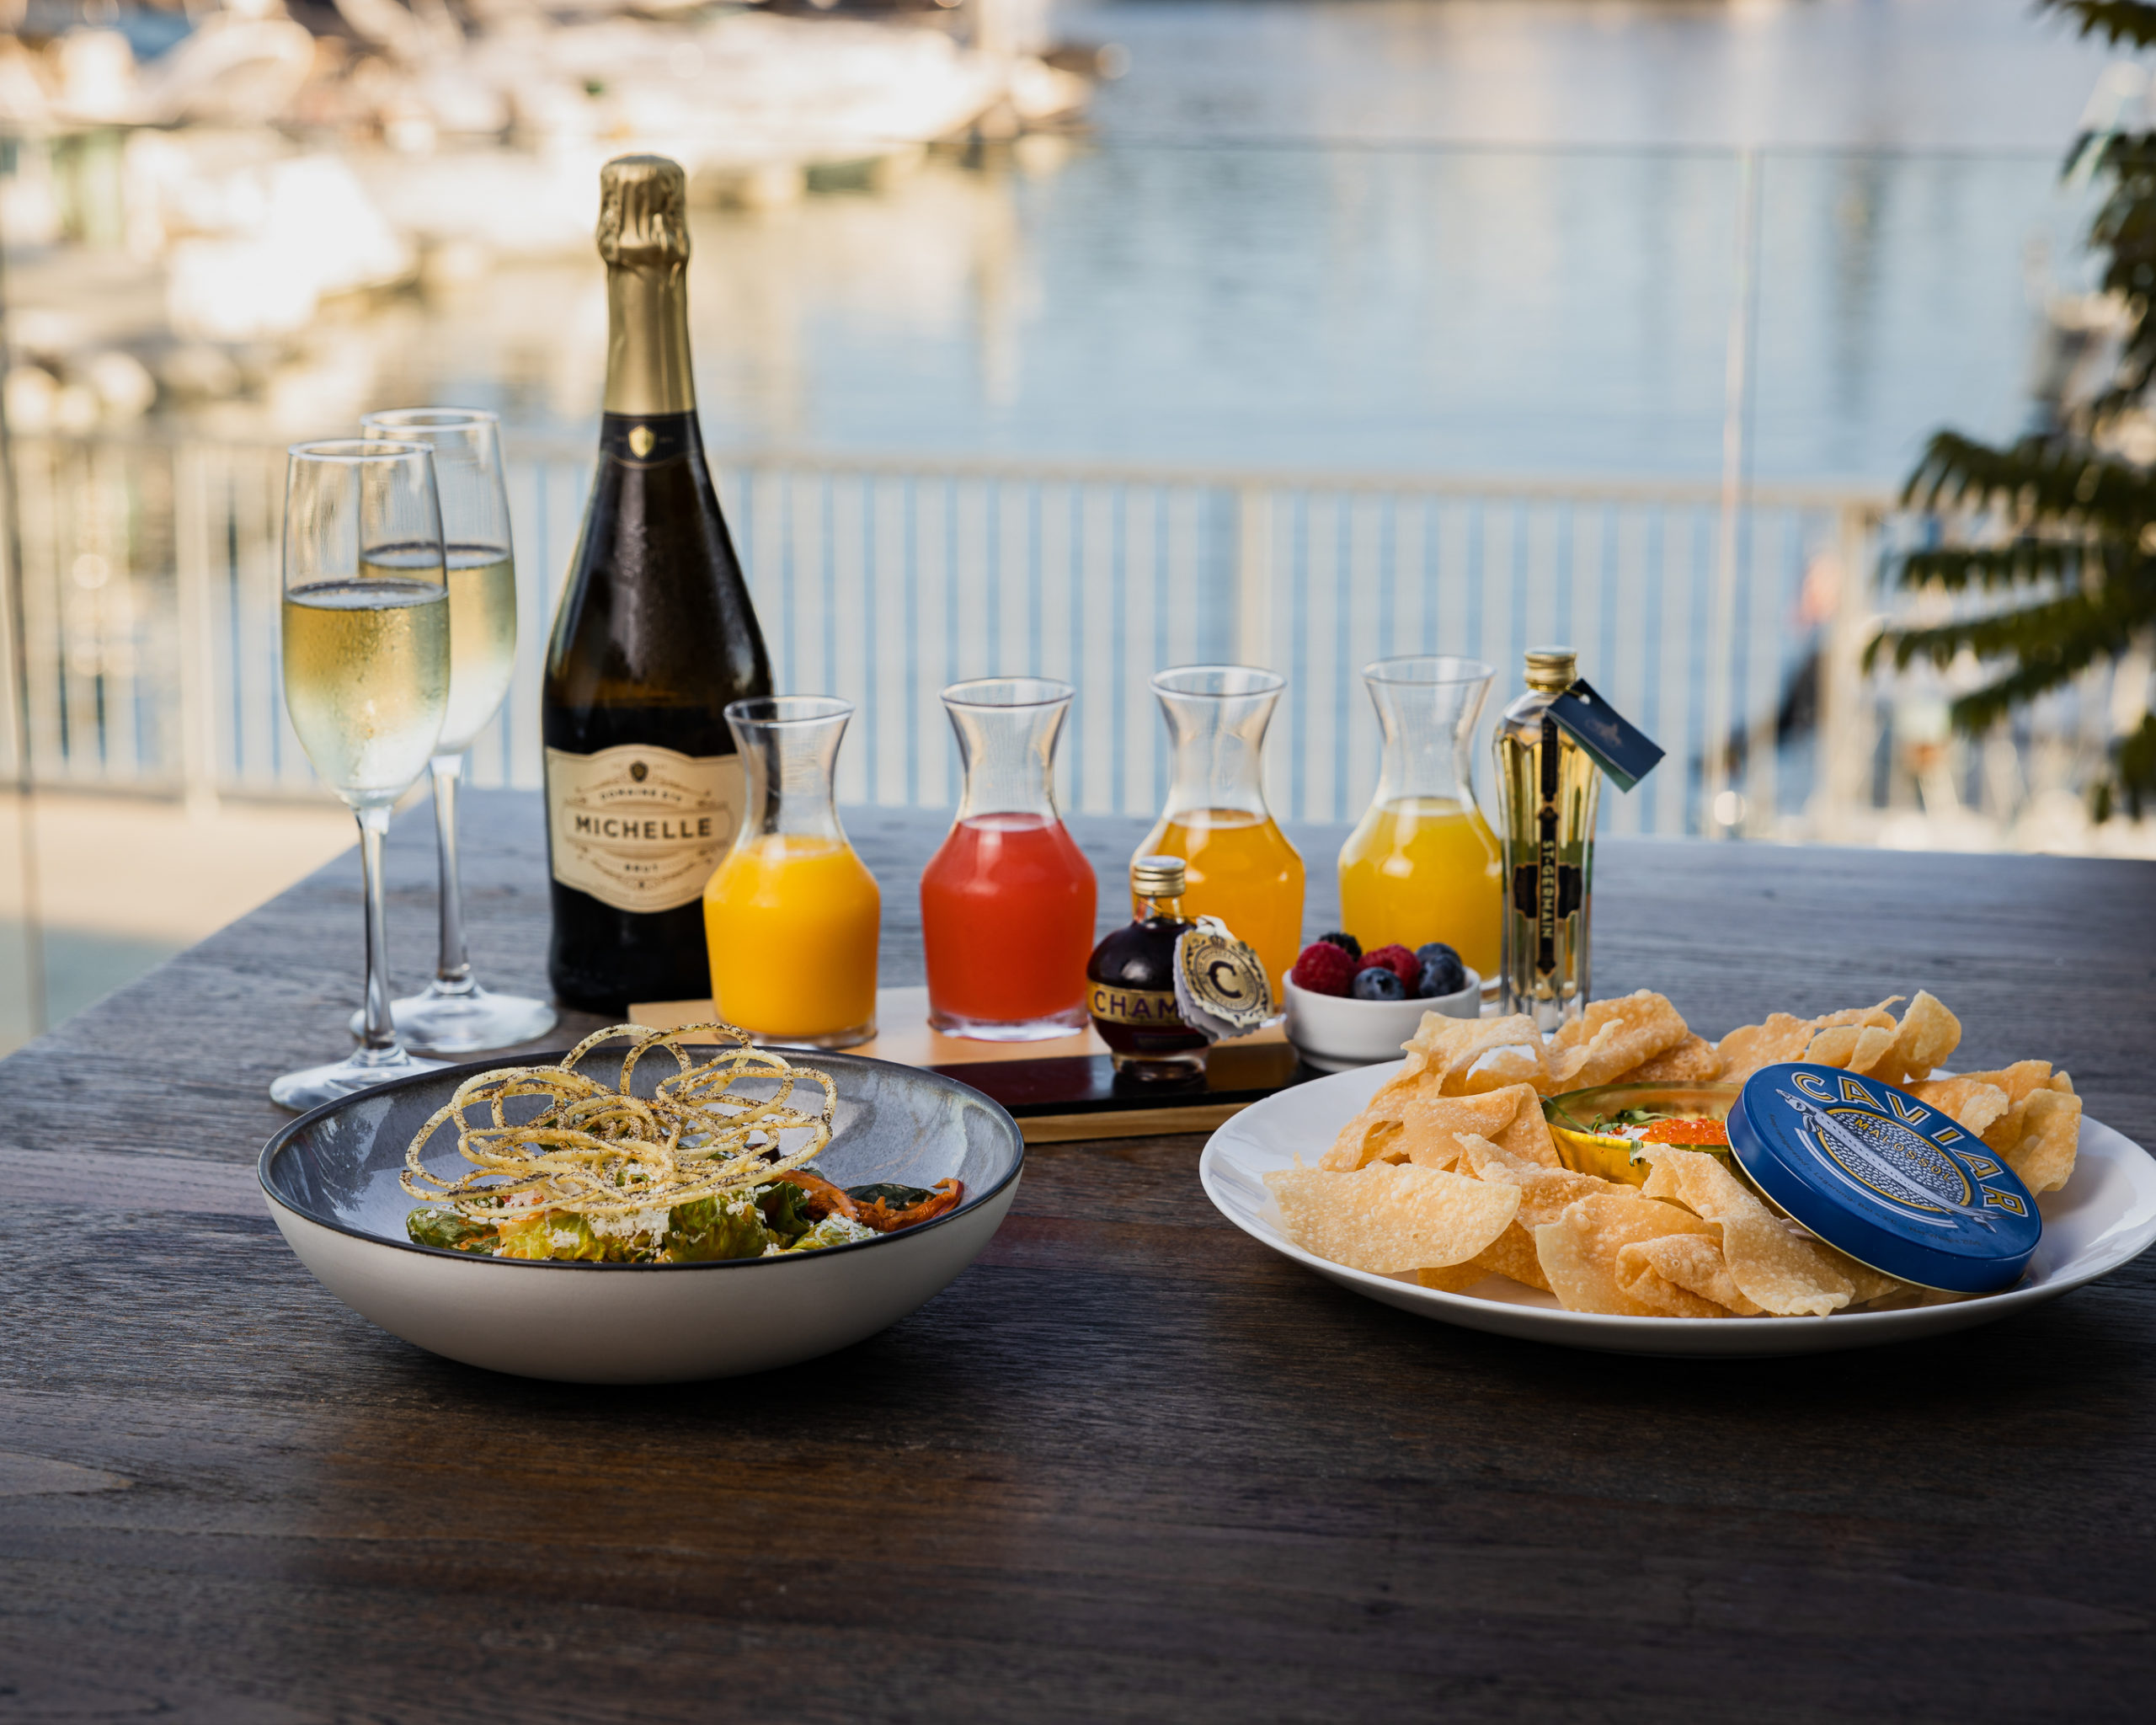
[(366, 621), (455, 1015)]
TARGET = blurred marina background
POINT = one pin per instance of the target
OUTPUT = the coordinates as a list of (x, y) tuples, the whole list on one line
[(1077, 338)]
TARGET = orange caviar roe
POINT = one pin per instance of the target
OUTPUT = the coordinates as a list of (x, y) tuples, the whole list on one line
[(1686, 1132)]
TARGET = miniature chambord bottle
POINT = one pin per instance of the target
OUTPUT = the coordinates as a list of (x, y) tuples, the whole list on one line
[(1547, 786)]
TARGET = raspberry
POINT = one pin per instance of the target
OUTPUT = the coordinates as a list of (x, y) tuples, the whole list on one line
[(1397, 960), (1347, 942), (1323, 969)]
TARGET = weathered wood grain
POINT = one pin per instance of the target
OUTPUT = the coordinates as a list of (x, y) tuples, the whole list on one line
[(1130, 1465)]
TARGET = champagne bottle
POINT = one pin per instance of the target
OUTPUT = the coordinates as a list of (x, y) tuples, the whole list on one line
[(656, 635)]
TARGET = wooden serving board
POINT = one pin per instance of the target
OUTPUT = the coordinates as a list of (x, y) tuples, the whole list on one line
[(1058, 1090)]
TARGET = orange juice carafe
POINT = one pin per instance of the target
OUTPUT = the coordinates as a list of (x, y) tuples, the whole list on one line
[(791, 914), (1422, 864), (1238, 864)]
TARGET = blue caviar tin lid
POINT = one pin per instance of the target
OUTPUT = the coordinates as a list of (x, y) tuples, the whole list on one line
[(1888, 1180)]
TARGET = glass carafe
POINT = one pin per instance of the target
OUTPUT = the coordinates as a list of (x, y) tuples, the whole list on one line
[(1006, 904), (1239, 864), (1422, 864), (791, 914)]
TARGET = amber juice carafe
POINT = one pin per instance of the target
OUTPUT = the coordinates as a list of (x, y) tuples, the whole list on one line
[(1239, 866)]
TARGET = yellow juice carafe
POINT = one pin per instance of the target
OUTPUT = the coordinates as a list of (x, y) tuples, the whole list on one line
[(791, 914), (1239, 865), (1422, 864)]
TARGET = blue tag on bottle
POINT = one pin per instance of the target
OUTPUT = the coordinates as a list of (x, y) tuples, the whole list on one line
[(1614, 743)]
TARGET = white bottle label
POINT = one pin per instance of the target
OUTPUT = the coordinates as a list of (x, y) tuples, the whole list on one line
[(641, 829)]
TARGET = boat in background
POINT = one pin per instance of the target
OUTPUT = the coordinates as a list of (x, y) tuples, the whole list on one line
[(263, 167)]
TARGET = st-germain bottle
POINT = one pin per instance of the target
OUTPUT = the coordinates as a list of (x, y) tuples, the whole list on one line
[(655, 635), (1547, 788)]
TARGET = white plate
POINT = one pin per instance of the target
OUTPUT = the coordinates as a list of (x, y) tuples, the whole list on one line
[(2105, 1215)]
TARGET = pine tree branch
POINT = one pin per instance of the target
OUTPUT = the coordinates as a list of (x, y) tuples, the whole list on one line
[(2065, 482), (2018, 563), (2049, 643), (2124, 229), (2133, 759), (2120, 21)]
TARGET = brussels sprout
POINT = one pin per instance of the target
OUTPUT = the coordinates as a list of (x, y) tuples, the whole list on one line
[(716, 1227), (449, 1231)]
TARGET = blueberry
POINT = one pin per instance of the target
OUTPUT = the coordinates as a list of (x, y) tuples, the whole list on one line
[(1378, 984), (1442, 973), (1347, 942)]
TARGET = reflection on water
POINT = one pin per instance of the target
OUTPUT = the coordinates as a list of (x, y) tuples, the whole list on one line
[(1345, 309), (1895, 74)]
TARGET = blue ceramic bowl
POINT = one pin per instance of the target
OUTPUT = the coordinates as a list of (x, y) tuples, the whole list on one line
[(331, 1180)]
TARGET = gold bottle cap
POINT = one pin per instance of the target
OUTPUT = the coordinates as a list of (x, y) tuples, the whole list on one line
[(1554, 669), (1158, 877), (643, 213)]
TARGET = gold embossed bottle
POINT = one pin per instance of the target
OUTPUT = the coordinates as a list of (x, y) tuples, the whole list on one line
[(1130, 981), (654, 637), (1547, 786)]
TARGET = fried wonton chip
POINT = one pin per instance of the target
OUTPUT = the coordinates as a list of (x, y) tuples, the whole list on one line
[(1782, 1269), (1527, 1139), (1580, 1249), (2051, 1138), (1857, 1047), (2020, 1081), (1653, 1269), (1880, 1016), (1452, 1278), (1866, 1284), (1926, 1035), (1391, 1216), (1463, 1056), (1500, 1052), (1749, 1047), (1694, 1060), (1431, 1126), (1613, 1036), (1856, 1037), (1545, 1190), (1449, 1058), (1967, 1101), (1439, 1120), (1369, 1137), (1512, 1254)]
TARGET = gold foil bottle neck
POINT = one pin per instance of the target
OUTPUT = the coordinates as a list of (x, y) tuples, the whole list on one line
[(1158, 877), (1553, 669), (643, 235), (643, 213)]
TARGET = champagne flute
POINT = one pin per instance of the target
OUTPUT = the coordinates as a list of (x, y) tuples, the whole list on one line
[(366, 626), (454, 1015)]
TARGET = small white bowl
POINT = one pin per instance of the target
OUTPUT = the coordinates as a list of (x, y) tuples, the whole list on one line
[(1335, 1031)]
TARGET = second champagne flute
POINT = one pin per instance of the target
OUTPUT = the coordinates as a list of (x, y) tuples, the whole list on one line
[(365, 628), (455, 1016)]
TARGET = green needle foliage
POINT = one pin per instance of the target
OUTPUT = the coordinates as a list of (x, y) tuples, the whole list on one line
[(2077, 574)]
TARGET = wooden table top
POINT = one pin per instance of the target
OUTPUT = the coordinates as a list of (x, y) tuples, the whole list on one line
[(1130, 1463)]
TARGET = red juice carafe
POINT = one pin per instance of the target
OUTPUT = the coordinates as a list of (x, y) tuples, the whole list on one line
[(1006, 904)]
